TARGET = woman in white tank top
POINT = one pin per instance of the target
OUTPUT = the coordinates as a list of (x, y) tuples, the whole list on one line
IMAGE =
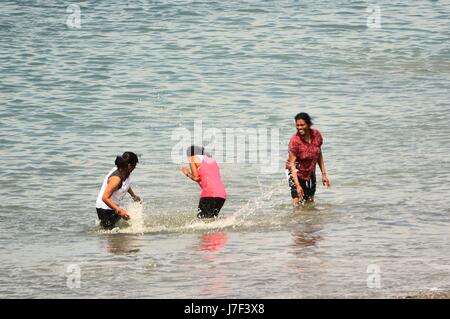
[(115, 186)]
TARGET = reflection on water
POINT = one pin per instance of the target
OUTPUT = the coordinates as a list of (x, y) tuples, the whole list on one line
[(305, 239), (309, 221), (122, 244), (213, 241), (216, 276)]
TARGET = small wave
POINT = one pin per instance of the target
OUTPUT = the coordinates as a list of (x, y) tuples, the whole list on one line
[(262, 213), (189, 223), (177, 223)]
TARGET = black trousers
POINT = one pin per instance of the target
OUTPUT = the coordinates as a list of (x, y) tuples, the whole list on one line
[(209, 207), (108, 218), (309, 187)]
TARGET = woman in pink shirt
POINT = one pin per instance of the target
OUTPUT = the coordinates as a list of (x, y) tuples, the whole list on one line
[(304, 153), (206, 172)]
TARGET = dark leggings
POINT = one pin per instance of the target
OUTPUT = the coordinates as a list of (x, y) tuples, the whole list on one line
[(209, 207), (108, 217), (309, 187)]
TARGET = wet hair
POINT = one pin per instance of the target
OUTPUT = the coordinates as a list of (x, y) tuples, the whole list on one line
[(196, 150), (126, 158), (305, 117)]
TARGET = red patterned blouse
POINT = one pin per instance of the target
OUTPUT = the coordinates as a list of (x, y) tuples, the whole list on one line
[(306, 153)]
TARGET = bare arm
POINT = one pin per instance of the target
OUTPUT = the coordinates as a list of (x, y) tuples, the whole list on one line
[(194, 170), (292, 159), (111, 187), (133, 195), (325, 180)]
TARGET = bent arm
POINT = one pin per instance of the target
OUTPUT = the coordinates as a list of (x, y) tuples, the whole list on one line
[(133, 195), (292, 160), (322, 164), (193, 174), (325, 180), (111, 187), (130, 191)]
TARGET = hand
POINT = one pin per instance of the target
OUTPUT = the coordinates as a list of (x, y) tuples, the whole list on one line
[(300, 192), (185, 170), (325, 181), (123, 213), (136, 198)]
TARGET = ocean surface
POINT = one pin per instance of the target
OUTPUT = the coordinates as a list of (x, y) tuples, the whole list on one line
[(82, 82)]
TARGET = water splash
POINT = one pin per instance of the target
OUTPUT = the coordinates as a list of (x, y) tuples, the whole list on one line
[(136, 221), (216, 223), (268, 210)]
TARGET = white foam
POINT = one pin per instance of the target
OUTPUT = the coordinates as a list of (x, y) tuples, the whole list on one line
[(245, 216), (217, 223), (136, 221)]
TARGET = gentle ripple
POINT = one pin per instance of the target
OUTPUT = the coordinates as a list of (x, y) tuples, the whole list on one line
[(72, 99)]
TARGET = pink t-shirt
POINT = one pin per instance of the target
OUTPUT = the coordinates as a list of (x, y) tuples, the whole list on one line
[(307, 154), (210, 179)]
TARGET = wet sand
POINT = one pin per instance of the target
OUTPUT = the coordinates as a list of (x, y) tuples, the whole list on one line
[(430, 295)]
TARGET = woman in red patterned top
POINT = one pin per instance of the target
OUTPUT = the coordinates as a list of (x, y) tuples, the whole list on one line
[(304, 154)]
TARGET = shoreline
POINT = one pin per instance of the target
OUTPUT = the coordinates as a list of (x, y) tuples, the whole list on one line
[(429, 295)]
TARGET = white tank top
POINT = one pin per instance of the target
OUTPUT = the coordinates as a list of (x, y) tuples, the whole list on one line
[(117, 196)]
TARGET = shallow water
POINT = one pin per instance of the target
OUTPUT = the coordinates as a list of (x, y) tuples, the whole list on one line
[(74, 98)]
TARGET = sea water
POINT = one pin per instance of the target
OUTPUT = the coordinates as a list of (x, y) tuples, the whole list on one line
[(83, 82)]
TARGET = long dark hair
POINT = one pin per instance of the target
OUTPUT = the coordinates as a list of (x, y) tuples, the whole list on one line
[(305, 117), (126, 158)]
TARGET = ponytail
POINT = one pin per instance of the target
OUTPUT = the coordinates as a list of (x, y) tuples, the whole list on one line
[(126, 158), (120, 162)]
